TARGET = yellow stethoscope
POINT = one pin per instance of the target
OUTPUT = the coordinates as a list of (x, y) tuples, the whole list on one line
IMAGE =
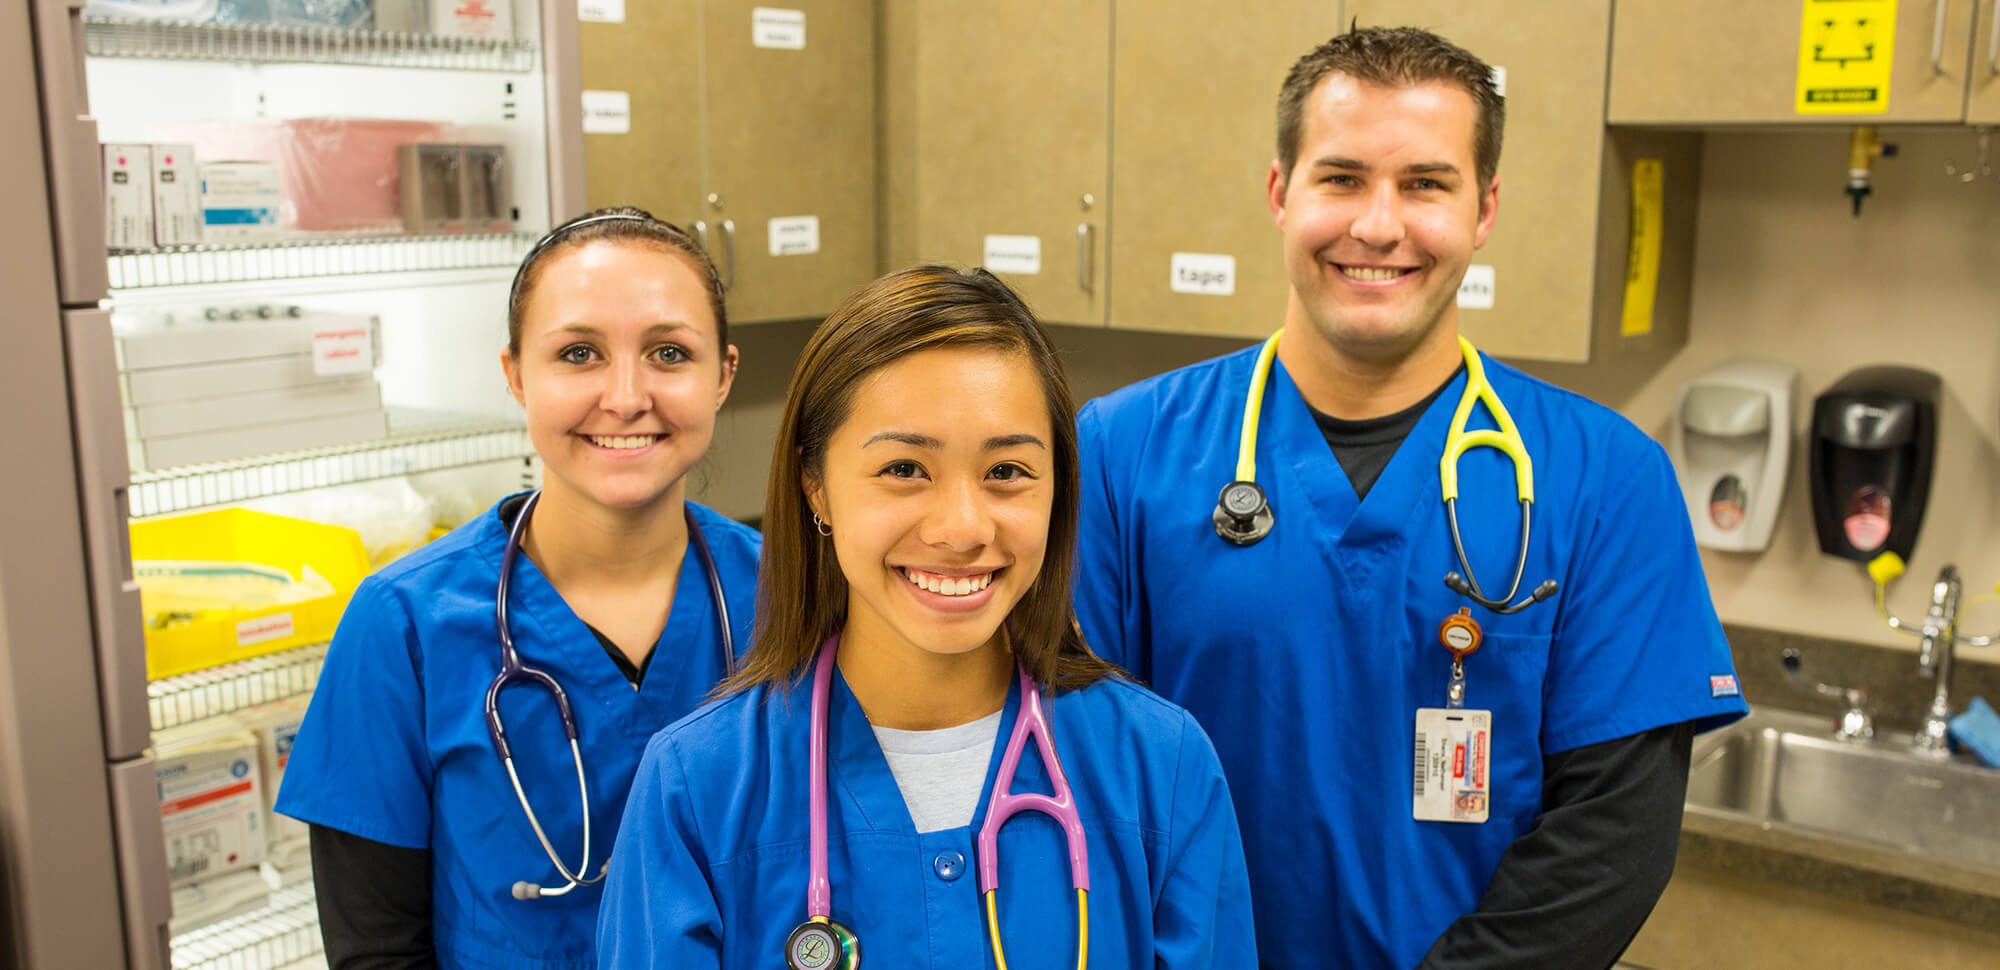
[(1243, 515)]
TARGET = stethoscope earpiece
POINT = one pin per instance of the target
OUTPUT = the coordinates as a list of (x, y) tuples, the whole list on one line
[(1242, 514)]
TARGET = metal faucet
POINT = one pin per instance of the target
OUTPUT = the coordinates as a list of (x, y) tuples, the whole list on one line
[(1940, 635), (1855, 725)]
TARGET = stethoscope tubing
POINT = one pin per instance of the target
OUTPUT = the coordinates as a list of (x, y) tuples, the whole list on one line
[(513, 671)]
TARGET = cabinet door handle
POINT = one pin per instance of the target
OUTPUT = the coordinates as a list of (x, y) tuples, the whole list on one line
[(701, 236), (1084, 233), (1993, 41), (1937, 38), (729, 251)]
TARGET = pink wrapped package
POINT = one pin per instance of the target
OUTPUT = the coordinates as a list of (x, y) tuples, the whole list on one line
[(335, 174)]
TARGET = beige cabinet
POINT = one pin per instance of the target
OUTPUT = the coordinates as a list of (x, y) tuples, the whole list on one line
[(753, 127), (995, 144), (1558, 252), (1982, 96), (1193, 248), (1705, 62)]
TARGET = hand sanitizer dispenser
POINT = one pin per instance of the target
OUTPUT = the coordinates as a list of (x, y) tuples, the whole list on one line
[(1874, 442), (1731, 442)]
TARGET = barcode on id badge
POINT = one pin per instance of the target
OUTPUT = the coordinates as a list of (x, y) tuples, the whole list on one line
[(1417, 788)]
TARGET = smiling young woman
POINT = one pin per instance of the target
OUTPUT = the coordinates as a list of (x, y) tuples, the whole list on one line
[(607, 582), (915, 638)]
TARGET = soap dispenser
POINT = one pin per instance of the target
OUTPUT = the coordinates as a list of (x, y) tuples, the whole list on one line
[(1731, 441), (1874, 443)]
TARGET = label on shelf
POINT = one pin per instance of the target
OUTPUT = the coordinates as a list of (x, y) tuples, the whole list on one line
[(607, 112), (794, 236), (1019, 255), (1210, 274), (1475, 292), (263, 629), (778, 29), (601, 11), (343, 349), (1845, 50)]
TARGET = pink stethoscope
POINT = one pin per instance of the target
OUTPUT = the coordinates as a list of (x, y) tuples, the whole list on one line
[(819, 943)]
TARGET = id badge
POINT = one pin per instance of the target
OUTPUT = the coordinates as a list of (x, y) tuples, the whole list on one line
[(1451, 780)]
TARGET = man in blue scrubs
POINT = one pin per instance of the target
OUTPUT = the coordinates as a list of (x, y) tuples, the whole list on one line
[(1533, 824)]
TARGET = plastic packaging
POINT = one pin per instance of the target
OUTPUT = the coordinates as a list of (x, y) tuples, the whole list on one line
[(390, 515), (334, 174)]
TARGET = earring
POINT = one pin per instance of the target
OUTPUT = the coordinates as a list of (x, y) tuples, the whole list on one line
[(824, 529)]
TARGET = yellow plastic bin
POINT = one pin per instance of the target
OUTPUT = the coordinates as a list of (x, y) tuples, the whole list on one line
[(189, 641)]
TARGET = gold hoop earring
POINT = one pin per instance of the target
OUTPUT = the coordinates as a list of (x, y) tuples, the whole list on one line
[(823, 528)]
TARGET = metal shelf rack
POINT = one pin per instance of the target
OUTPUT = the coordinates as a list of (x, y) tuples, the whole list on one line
[(282, 933), (187, 698), (285, 44), (305, 258), (417, 442)]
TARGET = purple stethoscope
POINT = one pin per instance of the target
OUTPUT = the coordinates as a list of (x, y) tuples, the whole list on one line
[(819, 943), (513, 672)]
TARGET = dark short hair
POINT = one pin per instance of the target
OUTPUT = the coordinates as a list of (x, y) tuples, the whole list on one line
[(1394, 57), (618, 224)]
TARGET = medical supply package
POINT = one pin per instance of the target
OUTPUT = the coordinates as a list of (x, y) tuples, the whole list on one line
[(177, 213), (326, 174), (239, 201), (211, 801), (276, 725), (128, 196)]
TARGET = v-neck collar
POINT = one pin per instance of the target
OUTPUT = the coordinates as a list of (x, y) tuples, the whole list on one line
[(858, 768), (590, 677), (1354, 537)]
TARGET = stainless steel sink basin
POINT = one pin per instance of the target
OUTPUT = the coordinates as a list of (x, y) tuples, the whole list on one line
[(1781, 769)]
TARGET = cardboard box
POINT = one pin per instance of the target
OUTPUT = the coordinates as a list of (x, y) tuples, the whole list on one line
[(262, 439), (239, 201), (128, 196), (356, 393), (194, 382), (177, 214), (211, 804)]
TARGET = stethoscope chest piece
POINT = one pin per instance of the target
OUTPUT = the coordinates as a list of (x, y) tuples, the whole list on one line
[(822, 945), (1242, 514)]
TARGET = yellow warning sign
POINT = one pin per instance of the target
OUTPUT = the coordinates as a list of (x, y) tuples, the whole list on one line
[(1642, 262), (1845, 49)]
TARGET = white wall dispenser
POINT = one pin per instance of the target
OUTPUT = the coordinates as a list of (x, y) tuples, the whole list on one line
[(1731, 443)]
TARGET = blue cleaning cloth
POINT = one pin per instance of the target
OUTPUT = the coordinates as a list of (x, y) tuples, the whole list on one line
[(1978, 731)]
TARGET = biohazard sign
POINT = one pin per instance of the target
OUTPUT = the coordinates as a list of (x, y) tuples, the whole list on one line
[(1845, 49)]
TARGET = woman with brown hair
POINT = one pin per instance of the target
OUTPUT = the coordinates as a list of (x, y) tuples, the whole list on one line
[(917, 679)]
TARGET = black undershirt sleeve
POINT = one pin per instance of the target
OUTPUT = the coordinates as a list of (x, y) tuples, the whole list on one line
[(1572, 892), (374, 902)]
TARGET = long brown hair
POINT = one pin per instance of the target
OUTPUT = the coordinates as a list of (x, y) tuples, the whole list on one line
[(801, 592)]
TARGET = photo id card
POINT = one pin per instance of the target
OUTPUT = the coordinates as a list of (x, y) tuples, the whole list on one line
[(1450, 775)]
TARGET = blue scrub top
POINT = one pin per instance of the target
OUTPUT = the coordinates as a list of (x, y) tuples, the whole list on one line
[(1308, 654), (712, 867), (395, 746)]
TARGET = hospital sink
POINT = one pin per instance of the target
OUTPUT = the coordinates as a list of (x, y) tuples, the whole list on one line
[(1786, 770)]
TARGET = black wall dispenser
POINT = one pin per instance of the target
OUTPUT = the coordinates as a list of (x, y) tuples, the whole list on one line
[(1874, 443)]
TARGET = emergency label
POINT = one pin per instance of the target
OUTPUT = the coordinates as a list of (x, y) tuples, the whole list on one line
[(343, 350), (1845, 49), (1210, 274)]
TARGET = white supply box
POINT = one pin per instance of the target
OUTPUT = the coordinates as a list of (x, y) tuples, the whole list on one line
[(261, 439), (239, 201), (478, 19), (128, 196), (194, 382), (276, 724), (188, 338), (177, 213), (151, 421), (211, 803)]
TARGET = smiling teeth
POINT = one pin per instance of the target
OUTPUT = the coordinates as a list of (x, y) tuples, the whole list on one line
[(1370, 274), (948, 585), (623, 442)]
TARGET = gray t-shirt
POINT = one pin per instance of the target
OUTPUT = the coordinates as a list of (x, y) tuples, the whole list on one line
[(941, 772)]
